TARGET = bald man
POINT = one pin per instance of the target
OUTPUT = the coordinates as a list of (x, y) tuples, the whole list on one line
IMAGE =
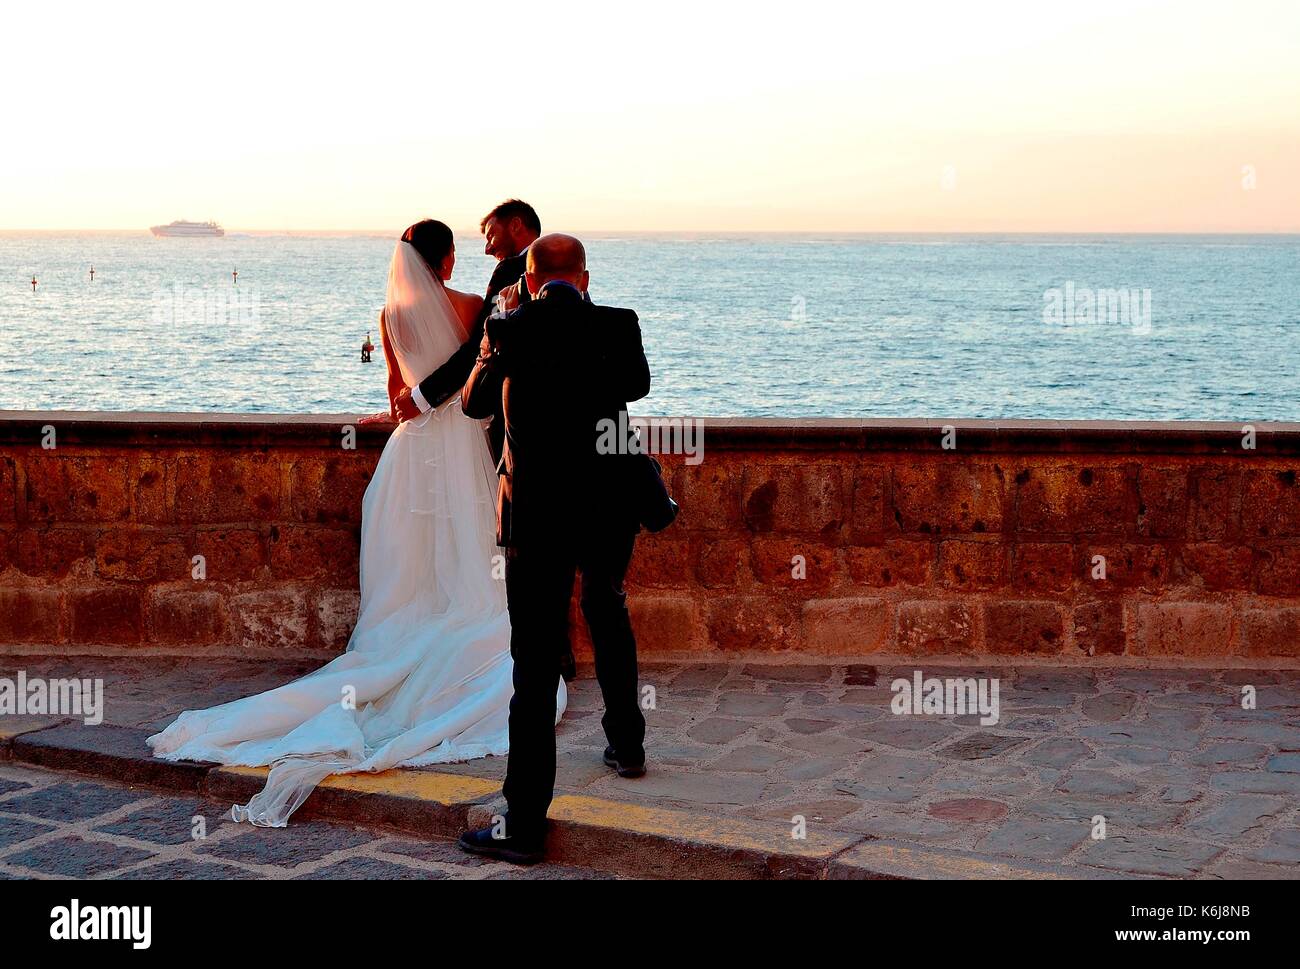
[(556, 367)]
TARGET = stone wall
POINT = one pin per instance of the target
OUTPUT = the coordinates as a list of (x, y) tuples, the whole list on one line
[(824, 537)]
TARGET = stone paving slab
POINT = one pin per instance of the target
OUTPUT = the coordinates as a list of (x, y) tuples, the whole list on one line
[(1168, 754), (76, 857), (883, 860), (75, 800)]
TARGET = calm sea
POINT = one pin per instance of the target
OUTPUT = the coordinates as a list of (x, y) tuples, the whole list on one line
[(844, 326)]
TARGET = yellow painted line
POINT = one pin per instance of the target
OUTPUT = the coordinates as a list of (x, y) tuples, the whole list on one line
[(414, 784), (728, 833), (904, 862), (770, 837)]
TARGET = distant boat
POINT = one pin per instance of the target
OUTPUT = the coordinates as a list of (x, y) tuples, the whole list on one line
[(183, 228)]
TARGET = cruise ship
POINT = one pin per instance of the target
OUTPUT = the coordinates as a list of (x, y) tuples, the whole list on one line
[(183, 228)]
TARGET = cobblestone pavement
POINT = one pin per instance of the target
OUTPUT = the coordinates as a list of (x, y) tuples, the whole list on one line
[(54, 825), (1189, 781)]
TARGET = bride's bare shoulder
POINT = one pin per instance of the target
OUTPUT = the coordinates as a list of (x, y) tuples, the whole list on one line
[(466, 305)]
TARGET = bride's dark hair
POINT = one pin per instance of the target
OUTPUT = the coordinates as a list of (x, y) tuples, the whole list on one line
[(432, 240)]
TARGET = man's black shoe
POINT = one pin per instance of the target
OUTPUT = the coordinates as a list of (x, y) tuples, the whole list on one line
[(514, 850), (624, 769)]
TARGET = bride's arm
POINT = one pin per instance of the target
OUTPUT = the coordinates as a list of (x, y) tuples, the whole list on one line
[(395, 384)]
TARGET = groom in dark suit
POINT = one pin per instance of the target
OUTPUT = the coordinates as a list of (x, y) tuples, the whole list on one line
[(559, 367)]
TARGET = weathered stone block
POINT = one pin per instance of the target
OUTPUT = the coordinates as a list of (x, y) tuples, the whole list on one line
[(75, 488), (1271, 631), (972, 565), (230, 488), (147, 475), (752, 622), (1097, 784), (898, 561), (52, 553), (230, 554), (1162, 502), (1058, 753), (336, 616), (8, 490), (1278, 570), (331, 554), (661, 560), (329, 489), (981, 745), (1214, 504), (711, 495), (795, 563), (666, 623), (807, 499), (176, 615), (1231, 819), (140, 554), (1075, 500), (948, 496), (846, 626), (271, 619), (109, 615), (1182, 629), (1043, 566), (1126, 567), (30, 615), (1099, 628), (1218, 566), (720, 563), (1023, 627), (927, 627), (1270, 503), (868, 513), (1031, 838)]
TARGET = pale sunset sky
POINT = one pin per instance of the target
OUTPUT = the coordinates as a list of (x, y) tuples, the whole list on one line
[(1105, 116)]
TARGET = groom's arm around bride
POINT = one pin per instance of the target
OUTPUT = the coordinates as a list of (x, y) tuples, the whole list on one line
[(559, 367)]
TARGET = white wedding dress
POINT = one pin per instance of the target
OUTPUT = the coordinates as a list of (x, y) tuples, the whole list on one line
[(426, 678)]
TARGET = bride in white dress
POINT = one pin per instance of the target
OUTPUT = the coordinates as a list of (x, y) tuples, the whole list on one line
[(426, 678)]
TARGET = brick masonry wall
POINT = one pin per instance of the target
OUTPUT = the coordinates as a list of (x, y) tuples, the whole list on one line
[(824, 537)]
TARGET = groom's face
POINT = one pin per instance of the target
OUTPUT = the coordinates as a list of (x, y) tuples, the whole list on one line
[(499, 242)]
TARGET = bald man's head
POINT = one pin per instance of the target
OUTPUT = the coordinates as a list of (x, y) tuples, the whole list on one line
[(556, 256)]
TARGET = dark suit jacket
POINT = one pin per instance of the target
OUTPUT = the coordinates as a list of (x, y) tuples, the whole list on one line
[(557, 367), (449, 378)]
